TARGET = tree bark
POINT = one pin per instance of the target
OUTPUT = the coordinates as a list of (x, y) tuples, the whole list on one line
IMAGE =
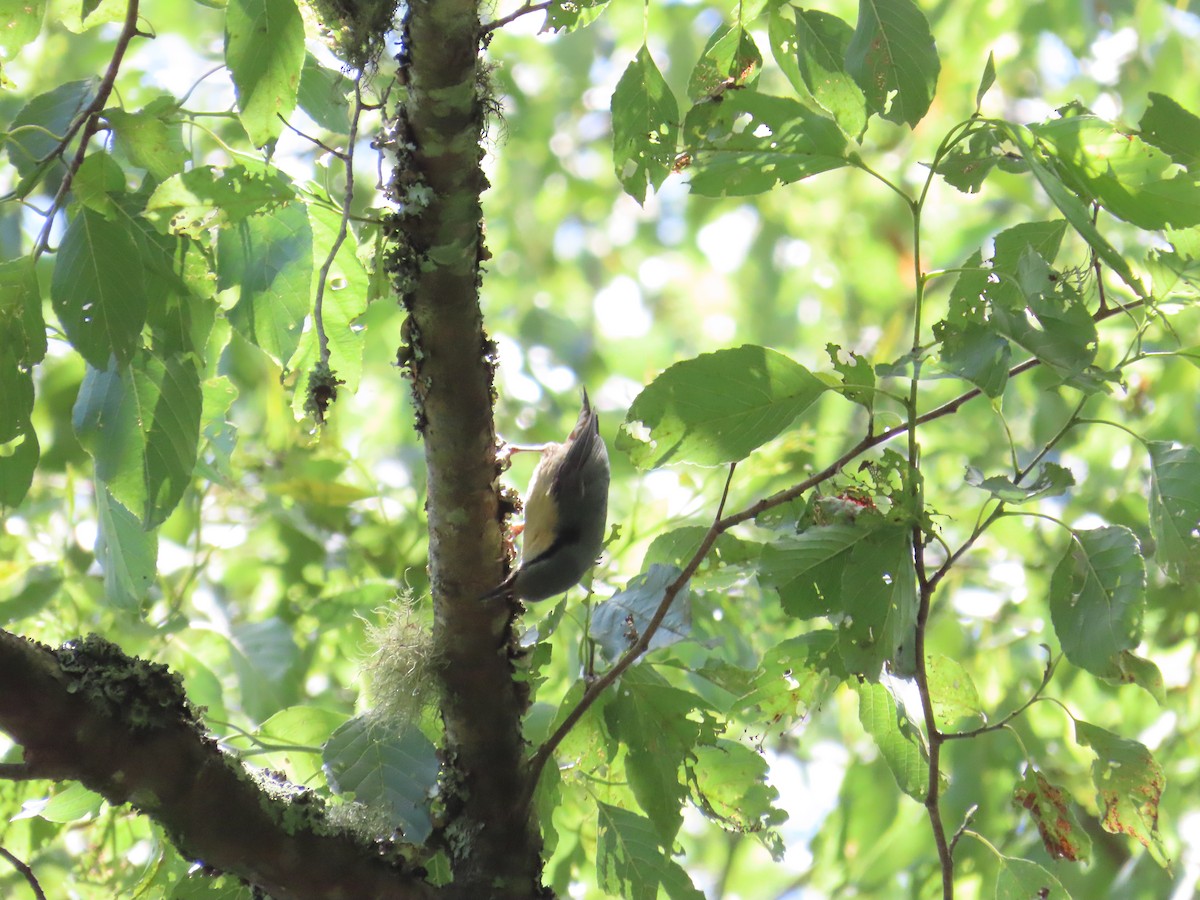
[(493, 842)]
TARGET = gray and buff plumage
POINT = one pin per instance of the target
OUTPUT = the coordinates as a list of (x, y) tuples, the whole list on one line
[(566, 511)]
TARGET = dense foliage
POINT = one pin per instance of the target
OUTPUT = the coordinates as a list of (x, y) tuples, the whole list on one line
[(888, 310)]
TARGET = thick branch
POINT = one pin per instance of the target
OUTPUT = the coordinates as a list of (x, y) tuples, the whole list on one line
[(123, 728), (494, 844)]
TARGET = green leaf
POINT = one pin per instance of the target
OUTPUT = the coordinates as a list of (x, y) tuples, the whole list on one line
[(264, 50), (293, 738), (972, 160), (893, 58), (630, 862), (807, 570), (716, 408), (1052, 480), (1129, 784), (858, 378), (394, 772), (37, 128), (207, 197), (878, 599), (986, 80), (1050, 808), (127, 553), (1131, 179), (795, 678), (811, 51), (645, 123), (731, 61), (1097, 597), (1073, 209), (897, 738), (567, 15), (324, 96), (656, 723), (20, 453), (1175, 506), (23, 22), (141, 425), (618, 622), (98, 289), (746, 143), (975, 353), (1020, 879), (151, 138), (730, 784), (678, 546), (269, 259), (952, 691), (1171, 128), (22, 329)]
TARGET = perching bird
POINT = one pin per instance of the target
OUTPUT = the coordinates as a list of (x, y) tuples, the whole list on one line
[(566, 509)]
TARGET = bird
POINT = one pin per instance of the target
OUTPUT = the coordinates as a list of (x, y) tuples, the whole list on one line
[(566, 511)]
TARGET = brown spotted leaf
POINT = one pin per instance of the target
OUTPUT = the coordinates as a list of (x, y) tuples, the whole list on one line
[(1047, 804)]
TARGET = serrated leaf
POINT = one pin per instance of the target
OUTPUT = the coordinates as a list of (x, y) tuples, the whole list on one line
[(1175, 505), (811, 51), (897, 738), (678, 546), (269, 259), (207, 197), (98, 289), (1050, 808), (1129, 784), (893, 59), (1020, 879), (23, 19), (324, 95), (878, 602), (730, 784), (654, 721), (730, 61), (151, 138), (36, 129), (858, 377), (807, 570), (127, 553), (716, 408), (618, 622), (22, 329), (1097, 597), (264, 50), (971, 161), (1073, 209), (952, 692), (1051, 481), (629, 861), (393, 772), (1172, 129), (747, 142), (141, 426), (645, 123), (567, 15), (795, 678), (1131, 179)]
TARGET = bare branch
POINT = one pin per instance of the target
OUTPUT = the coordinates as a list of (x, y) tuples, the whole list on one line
[(512, 17), (89, 119), (26, 872)]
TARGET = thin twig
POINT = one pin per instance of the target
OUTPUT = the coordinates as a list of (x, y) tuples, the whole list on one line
[(26, 872), (90, 119), (966, 823), (312, 140), (513, 16), (343, 225), (1048, 674), (720, 526)]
